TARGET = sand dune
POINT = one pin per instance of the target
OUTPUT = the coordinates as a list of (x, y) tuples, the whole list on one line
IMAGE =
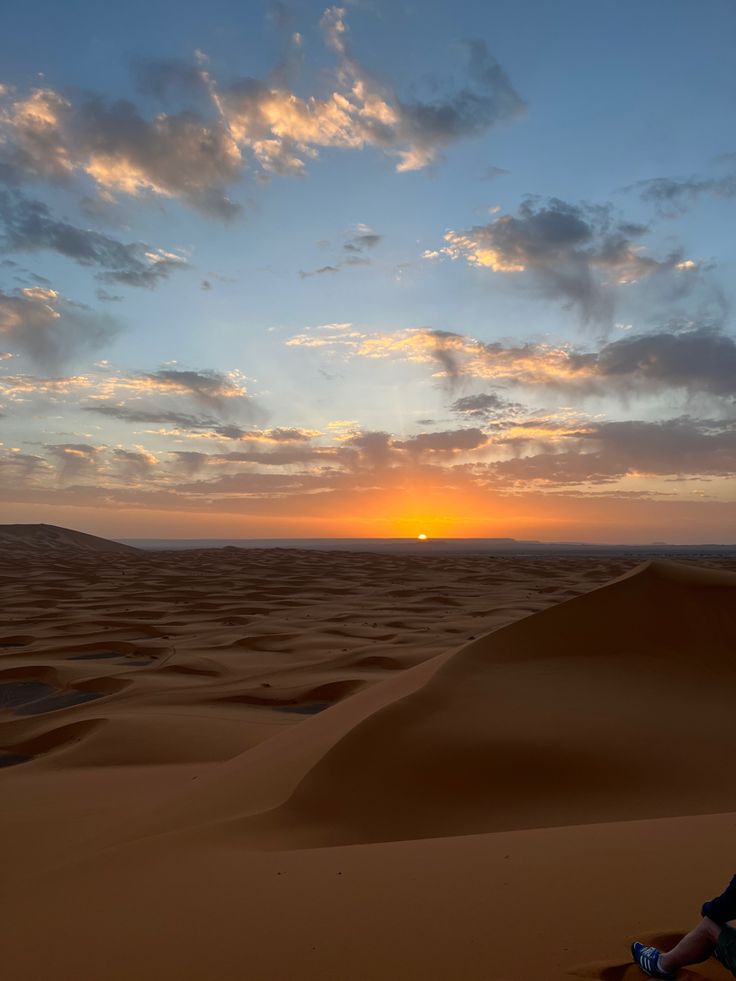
[(51, 538), (276, 764), (581, 713)]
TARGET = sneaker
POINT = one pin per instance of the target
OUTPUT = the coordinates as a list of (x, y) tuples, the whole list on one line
[(648, 960)]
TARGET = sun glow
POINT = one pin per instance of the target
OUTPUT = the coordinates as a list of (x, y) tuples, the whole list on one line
[(422, 537)]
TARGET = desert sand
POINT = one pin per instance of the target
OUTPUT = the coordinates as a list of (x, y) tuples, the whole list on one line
[(275, 764)]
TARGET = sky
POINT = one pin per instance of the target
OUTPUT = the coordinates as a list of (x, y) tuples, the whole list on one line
[(282, 269)]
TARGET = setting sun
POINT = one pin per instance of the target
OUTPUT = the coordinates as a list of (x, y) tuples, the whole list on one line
[(422, 537)]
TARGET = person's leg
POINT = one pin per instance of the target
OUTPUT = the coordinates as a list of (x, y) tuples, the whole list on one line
[(696, 946)]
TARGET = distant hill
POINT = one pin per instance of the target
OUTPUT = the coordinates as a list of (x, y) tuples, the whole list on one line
[(53, 537)]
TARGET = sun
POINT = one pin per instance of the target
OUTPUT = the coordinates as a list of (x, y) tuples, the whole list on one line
[(422, 537)]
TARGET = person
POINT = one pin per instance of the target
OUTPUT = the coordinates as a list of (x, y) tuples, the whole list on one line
[(713, 936)]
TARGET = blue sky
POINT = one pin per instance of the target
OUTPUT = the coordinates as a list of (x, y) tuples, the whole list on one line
[(517, 214)]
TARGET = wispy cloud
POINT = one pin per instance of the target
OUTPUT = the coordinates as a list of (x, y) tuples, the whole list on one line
[(676, 195), (486, 406), (49, 329), (361, 240), (134, 465), (73, 460), (318, 272), (213, 389), (694, 357), (28, 226)]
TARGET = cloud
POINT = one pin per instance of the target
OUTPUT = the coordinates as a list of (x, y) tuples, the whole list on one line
[(610, 451), (280, 456), (224, 397), (212, 389), (364, 238), (44, 136), (281, 435), (28, 226), (455, 355), (318, 272), (675, 195), (20, 468), (362, 452), (179, 155), (525, 457), (180, 420), (447, 442), (184, 422), (493, 173), (32, 146), (134, 465), (578, 254), (195, 152), (73, 460), (381, 450), (255, 486), (189, 461), (541, 452), (486, 406), (49, 329), (170, 396), (696, 358), (22, 386), (172, 78), (373, 449), (427, 127)]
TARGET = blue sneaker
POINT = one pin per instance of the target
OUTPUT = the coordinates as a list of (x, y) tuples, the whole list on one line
[(648, 960)]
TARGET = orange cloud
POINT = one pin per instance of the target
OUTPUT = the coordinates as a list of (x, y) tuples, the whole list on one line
[(189, 156), (529, 364)]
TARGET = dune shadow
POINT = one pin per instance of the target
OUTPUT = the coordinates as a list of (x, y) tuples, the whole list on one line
[(25, 691), (306, 702), (20, 640), (13, 759), (27, 750), (96, 656)]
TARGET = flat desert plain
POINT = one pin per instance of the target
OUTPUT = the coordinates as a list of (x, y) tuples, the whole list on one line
[(277, 764)]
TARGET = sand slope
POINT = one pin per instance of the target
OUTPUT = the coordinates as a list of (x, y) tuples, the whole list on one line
[(581, 713), (51, 538), (276, 765)]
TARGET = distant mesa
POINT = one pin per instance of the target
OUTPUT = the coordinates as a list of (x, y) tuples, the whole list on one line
[(53, 537)]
